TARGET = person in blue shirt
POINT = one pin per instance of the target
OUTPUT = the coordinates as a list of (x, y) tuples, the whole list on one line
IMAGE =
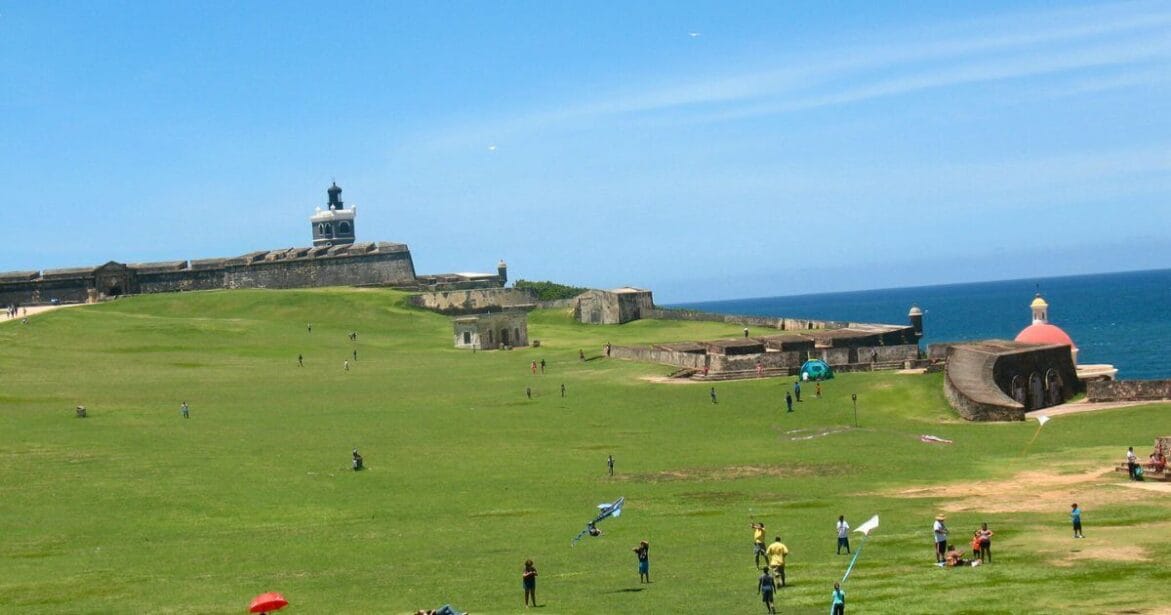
[(766, 586), (839, 604), (1076, 515)]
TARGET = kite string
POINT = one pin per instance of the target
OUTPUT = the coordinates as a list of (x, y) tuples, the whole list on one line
[(855, 558), (1030, 442)]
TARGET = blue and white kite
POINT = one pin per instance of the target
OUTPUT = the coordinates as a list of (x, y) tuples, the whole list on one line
[(605, 511)]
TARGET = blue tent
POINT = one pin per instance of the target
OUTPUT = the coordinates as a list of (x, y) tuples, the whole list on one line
[(816, 369)]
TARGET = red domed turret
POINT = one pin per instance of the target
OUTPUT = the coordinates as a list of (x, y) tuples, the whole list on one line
[(1044, 333), (1041, 332)]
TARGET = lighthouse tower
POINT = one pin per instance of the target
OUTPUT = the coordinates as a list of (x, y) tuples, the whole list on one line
[(335, 225)]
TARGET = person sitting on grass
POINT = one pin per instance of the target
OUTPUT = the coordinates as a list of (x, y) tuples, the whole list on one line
[(1157, 462), (954, 558)]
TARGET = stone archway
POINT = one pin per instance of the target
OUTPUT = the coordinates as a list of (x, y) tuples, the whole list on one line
[(1053, 389), (1036, 393), (1017, 389)]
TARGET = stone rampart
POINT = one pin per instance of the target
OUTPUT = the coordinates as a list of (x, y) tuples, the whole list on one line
[(358, 270), (365, 264), (475, 300), (659, 355), (784, 324), (1128, 390)]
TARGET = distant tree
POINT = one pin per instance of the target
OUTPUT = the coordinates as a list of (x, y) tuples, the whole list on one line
[(550, 291)]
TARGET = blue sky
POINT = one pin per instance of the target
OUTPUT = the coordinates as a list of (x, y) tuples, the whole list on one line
[(704, 150)]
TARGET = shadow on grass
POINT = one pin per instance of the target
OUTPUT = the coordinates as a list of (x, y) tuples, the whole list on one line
[(628, 590)]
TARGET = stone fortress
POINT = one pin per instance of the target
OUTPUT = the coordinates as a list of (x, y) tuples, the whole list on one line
[(334, 259), (984, 380)]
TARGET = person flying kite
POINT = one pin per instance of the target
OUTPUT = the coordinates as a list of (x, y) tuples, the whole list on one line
[(605, 511)]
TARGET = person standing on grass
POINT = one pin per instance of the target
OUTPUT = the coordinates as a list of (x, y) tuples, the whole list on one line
[(610, 464), (300, 361), (184, 410), (533, 367), (1131, 462), (346, 365), (817, 391), (758, 543), (542, 366), (529, 580), (766, 586), (777, 552), (1075, 515), (797, 389), (843, 535), (839, 601), (529, 392), (309, 327), (789, 401), (713, 394), (642, 551), (939, 531), (985, 543), (563, 389)]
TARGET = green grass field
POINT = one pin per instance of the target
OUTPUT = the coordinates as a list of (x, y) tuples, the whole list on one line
[(136, 510)]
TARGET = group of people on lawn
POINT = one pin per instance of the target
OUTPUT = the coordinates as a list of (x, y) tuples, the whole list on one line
[(946, 553)]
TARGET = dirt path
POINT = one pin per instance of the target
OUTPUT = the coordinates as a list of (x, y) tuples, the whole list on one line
[(37, 309)]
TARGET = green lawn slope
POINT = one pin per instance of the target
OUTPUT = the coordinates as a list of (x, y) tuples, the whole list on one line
[(136, 510)]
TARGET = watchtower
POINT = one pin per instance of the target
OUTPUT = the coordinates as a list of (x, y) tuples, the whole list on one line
[(335, 225)]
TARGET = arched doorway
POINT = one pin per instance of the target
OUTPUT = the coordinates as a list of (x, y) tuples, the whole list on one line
[(1017, 389), (1053, 388), (1036, 391)]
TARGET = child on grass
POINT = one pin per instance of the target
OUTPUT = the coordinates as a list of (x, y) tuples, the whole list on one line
[(529, 580)]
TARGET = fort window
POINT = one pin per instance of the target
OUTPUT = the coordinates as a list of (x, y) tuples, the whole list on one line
[(467, 337), (343, 227)]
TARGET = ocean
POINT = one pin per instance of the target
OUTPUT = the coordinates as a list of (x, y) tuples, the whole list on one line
[(1114, 318)]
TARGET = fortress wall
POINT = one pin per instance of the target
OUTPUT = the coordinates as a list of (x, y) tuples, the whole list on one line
[(658, 355), (63, 289), (389, 268), (473, 300), (558, 304), (899, 352), (1128, 390), (185, 280), (784, 324), (747, 362)]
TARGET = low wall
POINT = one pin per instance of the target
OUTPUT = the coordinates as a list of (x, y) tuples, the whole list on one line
[(747, 362), (1128, 390), (470, 301), (658, 355), (558, 304), (784, 324)]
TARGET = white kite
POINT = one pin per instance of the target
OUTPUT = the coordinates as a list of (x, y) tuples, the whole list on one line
[(865, 528), (1042, 419), (869, 525)]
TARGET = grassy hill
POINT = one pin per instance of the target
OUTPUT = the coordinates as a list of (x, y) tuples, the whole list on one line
[(137, 510)]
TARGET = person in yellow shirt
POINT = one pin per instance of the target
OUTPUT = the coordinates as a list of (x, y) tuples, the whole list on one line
[(776, 559), (758, 541)]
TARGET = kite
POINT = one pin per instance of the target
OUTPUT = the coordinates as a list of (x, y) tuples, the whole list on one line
[(865, 528), (605, 511), (1041, 420)]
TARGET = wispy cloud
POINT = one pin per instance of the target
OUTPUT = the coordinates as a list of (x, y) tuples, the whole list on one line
[(1121, 44)]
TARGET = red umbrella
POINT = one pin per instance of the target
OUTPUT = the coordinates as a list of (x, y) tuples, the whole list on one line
[(270, 601)]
